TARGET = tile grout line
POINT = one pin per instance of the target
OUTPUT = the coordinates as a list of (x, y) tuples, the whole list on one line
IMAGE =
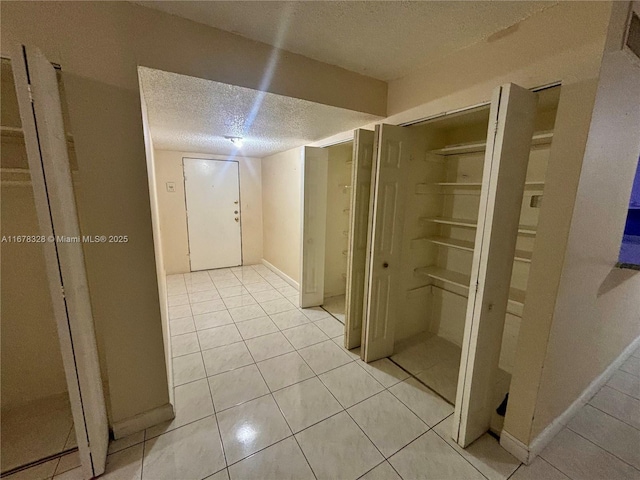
[(144, 447), (619, 391), (452, 448), (293, 434), (522, 465), (613, 416), (601, 448)]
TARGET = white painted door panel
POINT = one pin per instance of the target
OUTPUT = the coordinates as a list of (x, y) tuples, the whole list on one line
[(511, 125), (358, 233), (45, 140), (315, 164), (394, 148), (212, 190)]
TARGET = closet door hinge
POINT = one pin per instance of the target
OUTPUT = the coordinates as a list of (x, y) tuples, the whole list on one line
[(30, 92), (62, 291)]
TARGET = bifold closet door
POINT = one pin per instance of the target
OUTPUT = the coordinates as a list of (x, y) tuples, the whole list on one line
[(394, 147), (315, 165), (511, 125), (358, 233), (45, 139)]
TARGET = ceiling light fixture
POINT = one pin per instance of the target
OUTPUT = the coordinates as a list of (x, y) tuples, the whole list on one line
[(237, 141)]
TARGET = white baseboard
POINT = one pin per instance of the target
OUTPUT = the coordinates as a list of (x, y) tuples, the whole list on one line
[(527, 454), (279, 272), (144, 420), (514, 446)]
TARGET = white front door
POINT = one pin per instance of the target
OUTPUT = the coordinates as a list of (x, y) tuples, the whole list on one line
[(212, 191)]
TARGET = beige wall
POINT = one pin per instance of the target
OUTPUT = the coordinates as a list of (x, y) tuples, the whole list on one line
[(597, 312), (99, 46), (559, 43), (281, 210), (31, 359), (157, 242), (173, 214), (338, 199)]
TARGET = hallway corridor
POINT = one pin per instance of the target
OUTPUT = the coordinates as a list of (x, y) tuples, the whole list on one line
[(264, 390)]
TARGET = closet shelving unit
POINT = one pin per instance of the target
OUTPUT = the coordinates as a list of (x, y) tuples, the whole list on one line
[(430, 274), (443, 220)]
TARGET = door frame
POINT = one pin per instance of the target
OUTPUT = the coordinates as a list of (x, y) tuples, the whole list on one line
[(57, 216), (186, 211)]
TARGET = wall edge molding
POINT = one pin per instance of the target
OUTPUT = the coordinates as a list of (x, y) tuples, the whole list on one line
[(142, 421), (527, 454), (279, 272), (514, 446)]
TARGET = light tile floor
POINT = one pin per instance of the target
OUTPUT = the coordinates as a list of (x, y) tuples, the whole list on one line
[(335, 306), (277, 397)]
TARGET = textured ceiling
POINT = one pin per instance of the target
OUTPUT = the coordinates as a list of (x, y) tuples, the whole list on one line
[(380, 39), (194, 115)]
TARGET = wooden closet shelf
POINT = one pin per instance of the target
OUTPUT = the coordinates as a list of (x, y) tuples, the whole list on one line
[(458, 222), (467, 223), (527, 185), (444, 241), (460, 184), (466, 245), (446, 276), (541, 138), (516, 296)]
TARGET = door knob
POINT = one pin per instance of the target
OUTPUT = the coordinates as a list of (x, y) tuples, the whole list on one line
[(237, 219), (385, 265)]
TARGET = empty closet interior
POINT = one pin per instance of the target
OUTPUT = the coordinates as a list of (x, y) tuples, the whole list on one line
[(439, 238), (340, 160), (37, 422)]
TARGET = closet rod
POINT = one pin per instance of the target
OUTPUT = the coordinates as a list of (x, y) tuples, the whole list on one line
[(465, 296), (449, 291)]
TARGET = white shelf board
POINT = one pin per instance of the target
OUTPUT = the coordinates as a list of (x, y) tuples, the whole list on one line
[(516, 296), (446, 276), (530, 185), (467, 223), (458, 222), (520, 255)]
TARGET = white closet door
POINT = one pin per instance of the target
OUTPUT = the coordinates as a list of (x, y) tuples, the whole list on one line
[(358, 233), (315, 164), (212, 192), (45, 139), (511, 125), (394, 148)]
